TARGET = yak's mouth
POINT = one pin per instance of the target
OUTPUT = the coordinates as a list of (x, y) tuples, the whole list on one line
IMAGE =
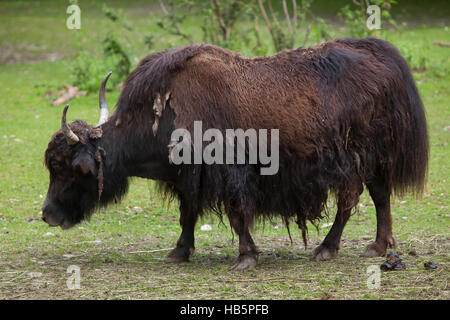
[(66, 225), (57, 220)]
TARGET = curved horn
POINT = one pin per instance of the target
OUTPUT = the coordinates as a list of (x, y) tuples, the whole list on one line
[(104, 112), (71, 137)]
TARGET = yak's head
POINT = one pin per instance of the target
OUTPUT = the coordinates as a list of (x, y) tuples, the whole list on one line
[(75, 164)]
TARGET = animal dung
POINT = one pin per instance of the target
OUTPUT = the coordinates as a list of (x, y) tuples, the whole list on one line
[(430, 265), (412, 253), (393, 262)]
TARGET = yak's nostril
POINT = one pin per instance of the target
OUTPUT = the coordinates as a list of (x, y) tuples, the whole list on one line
[(43, 219)]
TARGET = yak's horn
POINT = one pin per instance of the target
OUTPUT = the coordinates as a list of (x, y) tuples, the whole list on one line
[(71, 137), (104, 112)]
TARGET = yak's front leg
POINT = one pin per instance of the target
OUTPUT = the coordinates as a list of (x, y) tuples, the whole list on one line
[(248, 252), (185, 244)]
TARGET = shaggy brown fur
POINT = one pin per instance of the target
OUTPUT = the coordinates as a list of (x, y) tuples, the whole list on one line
[(344, 89)]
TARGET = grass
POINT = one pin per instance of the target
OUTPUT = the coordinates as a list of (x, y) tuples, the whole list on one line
[(120, 251)]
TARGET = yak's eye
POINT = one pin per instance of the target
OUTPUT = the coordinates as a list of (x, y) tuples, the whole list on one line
[(56, 165)]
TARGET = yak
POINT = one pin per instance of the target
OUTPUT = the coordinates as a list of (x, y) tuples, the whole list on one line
[(348, 112)]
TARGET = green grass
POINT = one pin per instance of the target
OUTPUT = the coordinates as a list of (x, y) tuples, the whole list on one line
[(120, 251)]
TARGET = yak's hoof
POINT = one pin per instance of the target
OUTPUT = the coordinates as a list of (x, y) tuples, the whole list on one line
[(245, 261), (322, 253), (373, 251), (378, 249), (179, 255)]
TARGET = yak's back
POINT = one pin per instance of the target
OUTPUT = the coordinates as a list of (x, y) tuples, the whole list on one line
[(309, 94), (306, 93)]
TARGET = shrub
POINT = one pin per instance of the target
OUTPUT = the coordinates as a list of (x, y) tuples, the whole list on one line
[(416, 61), (355, 16), (89, 70)]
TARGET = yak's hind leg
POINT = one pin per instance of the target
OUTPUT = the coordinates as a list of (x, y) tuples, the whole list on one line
[(347, 198), (185, 244), (248, 252), (380, 193)]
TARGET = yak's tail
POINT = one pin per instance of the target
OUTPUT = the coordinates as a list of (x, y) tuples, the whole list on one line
[(410, 134), (405, 161)]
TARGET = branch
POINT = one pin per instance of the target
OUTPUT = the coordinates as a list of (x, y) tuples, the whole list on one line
[(163, 8), (294, 14), (274, 18), (288, 20), (286, 14), (236, 10), (442, 44), (266, 18), (175, 24), (220, 19), (265, 280), (70, 93)]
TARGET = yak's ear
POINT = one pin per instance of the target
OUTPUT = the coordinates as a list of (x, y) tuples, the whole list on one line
[(85, 164)]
